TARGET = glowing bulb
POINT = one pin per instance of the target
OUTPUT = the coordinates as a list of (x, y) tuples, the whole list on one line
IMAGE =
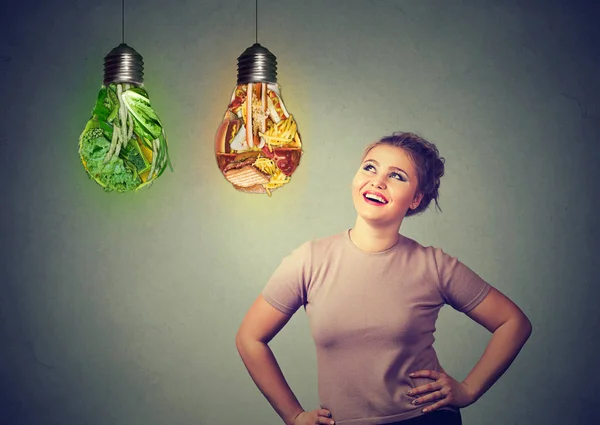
[(257, 145), (123, 146)]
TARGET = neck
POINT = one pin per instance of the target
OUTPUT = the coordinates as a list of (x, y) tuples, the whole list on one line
[(374, 238)]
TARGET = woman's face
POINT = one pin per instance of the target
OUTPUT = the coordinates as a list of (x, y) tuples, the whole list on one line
[(385, 185)]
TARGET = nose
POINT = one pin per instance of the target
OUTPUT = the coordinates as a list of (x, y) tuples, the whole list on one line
[(378, 183)]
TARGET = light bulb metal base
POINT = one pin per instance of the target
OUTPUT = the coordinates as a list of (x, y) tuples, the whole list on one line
[(257, 65), (123, 65)]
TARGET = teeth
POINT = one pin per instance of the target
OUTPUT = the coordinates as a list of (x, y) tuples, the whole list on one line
[(375, 198)]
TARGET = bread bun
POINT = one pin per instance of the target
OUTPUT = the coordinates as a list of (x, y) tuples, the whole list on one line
[(246, 176), (225, 131), (257, 188)]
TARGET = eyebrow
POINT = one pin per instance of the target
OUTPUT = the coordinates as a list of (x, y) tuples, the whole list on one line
[(393, 167)]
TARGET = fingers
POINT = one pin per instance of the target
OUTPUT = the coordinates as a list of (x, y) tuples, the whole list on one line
[(314, 417), (322, 416), (440, 380), (435, 406), (438, 397), (435, 392), (443, 391), (324, 412), (434, 396), (434, 386), (433, 374)]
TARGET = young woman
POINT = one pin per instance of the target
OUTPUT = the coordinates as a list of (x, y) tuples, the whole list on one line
[(372, 297)]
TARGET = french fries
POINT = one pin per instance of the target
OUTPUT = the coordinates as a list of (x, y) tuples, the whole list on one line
[(284, 133)]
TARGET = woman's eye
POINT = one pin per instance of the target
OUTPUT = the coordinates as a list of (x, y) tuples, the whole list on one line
[(369, 167), (398, 176)]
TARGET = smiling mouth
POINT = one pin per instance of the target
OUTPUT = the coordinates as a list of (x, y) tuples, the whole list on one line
[(375, 198)]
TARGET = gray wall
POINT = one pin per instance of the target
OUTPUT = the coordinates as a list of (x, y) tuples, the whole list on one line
[(122, 309)]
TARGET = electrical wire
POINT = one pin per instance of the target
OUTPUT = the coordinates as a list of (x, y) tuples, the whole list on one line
[(123, 21)]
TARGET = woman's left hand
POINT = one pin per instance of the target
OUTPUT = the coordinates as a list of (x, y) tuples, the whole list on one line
[(445, 390)]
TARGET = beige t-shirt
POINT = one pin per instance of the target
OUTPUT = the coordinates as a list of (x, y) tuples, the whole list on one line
[(372, 317)]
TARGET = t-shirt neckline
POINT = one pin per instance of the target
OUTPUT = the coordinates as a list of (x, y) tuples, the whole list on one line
[(374, 253)]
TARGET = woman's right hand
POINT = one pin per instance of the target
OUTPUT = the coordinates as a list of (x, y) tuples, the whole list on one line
[(312, 417)]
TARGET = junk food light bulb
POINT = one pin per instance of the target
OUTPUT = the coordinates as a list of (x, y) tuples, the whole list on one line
[(123, 146), (257, 145)]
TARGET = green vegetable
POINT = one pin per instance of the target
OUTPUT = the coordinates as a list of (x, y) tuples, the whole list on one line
[(123, 146), (102, 108), (138, 105), (116, 175), (133, 154)]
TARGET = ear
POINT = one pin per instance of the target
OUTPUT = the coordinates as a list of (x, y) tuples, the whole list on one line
[(416, 201)]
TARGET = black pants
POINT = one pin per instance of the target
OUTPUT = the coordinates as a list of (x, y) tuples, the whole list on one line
[(437, 417)]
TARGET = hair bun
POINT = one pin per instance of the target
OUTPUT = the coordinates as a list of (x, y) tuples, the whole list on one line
[(427, 161)]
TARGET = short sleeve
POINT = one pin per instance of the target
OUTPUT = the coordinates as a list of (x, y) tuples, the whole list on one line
[(286, 289), (460, 286)]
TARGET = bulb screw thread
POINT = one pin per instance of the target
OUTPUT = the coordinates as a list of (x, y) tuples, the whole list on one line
[(257, 65), (123, 65)]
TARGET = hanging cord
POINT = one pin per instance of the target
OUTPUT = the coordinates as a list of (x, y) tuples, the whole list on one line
[(123, 21), (256, 25)]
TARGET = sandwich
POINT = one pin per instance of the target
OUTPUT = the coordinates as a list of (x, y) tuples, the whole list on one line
[(244, 175)]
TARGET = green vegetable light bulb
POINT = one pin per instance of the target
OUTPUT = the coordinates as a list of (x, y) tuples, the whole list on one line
[(123, 146)]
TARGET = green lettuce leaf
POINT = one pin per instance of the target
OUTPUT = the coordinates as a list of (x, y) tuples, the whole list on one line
[(101, 109), (138, 104)]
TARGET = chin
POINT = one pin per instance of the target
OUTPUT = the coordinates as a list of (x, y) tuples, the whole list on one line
[(372, 217), (377, 219)]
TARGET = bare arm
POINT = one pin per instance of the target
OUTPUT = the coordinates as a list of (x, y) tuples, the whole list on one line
[(259, 326), (510, 330)]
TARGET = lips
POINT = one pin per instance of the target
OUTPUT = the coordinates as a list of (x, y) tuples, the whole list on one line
[(374, 198)]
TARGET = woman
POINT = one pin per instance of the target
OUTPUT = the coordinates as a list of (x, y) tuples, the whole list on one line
[(372, 297)]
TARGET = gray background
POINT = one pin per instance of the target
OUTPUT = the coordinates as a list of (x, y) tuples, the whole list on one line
[(122, 309)]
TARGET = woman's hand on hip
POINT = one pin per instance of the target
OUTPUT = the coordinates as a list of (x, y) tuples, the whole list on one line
[(312, 417), (443, 391)]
